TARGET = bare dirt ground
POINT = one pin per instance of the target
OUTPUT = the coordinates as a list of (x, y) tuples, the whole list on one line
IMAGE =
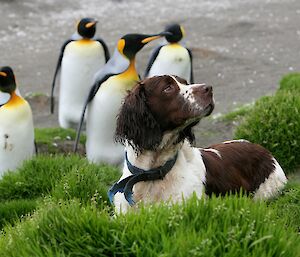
[(240, 47)]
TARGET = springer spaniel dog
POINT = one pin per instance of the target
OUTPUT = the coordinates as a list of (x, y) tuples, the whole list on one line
[(155, 124)]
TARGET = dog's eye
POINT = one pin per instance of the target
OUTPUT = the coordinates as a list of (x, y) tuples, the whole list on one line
[(168, 89)]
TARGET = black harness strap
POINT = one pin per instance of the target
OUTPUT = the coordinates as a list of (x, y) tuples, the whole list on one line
[(125, 185)]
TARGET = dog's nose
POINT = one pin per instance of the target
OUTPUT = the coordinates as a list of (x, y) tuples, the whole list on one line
[(207, 89), (203, 89)]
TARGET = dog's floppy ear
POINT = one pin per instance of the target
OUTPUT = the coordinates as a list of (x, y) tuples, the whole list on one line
[(135, 122)]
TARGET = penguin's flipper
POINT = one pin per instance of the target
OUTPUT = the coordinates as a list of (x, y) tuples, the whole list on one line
[(4, 98), (90, 97), (61, 54), (116, 65), (105, 48), (192, 72), (152, 59)]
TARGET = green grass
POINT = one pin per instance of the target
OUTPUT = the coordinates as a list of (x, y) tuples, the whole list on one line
[(74, 219), (230, 226), (57, 140), (287, 206), (37, 177), (290, 82), (58, 176), (11, 211), (274, 123), (86, 183), (49, 135)]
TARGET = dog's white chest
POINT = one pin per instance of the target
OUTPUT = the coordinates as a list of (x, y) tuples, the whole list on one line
[(185, 178), (172, 188)]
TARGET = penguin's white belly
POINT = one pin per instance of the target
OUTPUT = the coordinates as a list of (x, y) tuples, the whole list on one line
[(80, 63), (172, 61), (16, 137), (101, 123)]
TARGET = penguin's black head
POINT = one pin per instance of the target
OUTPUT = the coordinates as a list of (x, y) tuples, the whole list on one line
[(87, 27), (177, 33), (7, 80), (130, 44)]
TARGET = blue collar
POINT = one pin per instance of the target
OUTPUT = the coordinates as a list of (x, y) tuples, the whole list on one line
[(125, 186)]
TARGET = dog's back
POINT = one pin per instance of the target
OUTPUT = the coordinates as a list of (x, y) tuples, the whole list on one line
[(236, 165)]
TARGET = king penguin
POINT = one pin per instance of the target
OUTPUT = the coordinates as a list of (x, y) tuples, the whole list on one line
[(172, 58), (16, 124), (79, 60), (105, 98)]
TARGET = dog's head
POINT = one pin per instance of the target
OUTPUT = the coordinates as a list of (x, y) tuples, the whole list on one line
[(159, 105)]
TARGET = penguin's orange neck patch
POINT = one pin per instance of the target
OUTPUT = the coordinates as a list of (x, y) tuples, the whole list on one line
[(174, 44), (131, 72), (85, 41), (14, 101)]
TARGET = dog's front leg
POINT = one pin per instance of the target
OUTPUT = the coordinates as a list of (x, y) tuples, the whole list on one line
[(121, 205)]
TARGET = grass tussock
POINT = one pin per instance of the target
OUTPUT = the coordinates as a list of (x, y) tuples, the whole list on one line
[(290, 82), (230, 226), (287, 206), (274, 123), (58, 176), (11, 211), (37, 177)]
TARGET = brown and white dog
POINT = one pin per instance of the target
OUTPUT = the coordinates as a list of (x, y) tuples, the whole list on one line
[(155, 125)]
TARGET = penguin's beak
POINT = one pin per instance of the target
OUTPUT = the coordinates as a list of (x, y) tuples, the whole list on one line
[(3, 74), (156, 36), (91, 24), (166, 33), (182, 31)]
